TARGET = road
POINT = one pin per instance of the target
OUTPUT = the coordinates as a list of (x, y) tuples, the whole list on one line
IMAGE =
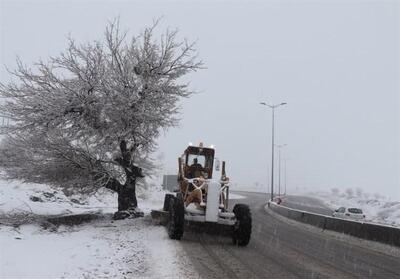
[(309, 204), (280, 249)]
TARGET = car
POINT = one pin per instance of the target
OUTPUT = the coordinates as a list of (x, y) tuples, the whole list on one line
[(349, 213), (278, 200)]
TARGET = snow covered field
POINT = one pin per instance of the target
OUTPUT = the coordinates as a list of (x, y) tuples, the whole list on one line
[(104, 248), (377, 209), (125, 249)]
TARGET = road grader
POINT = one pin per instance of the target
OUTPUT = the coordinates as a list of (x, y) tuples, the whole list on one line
[(203, 197)]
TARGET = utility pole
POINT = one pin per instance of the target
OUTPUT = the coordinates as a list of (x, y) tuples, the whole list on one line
[(273, 107)]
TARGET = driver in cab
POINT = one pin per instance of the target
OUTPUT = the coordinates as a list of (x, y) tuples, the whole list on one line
[(196, 195), (195, 170)]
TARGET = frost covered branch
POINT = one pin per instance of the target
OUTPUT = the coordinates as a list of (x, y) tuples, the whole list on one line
[(84, 117)]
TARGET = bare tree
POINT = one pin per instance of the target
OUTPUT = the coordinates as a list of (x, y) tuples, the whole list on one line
[(89, 117)]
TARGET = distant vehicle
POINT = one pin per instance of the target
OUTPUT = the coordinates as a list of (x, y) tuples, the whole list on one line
[(349, 213), (278, 200)]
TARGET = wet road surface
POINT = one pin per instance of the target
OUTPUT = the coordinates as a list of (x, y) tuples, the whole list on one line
[(280, 249), (309, 204)]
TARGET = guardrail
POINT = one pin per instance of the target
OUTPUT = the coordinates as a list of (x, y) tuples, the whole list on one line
[(381, 233)]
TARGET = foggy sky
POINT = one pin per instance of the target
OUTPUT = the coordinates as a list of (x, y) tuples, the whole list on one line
[(336, 64)]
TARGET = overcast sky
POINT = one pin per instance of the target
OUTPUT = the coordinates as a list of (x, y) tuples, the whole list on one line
[(336, 64)]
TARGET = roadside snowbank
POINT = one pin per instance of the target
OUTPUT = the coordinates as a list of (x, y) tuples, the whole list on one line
[(40, 199)]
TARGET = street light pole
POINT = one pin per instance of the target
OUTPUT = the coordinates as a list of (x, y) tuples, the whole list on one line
[(279, 177), (272, 163), (285, 176), (273, 143)]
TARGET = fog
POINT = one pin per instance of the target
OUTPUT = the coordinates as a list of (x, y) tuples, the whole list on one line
[(335, 63)]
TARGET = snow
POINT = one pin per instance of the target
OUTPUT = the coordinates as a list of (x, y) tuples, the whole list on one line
[(377, 209), (15, 197), (132, 248), (233, 196)]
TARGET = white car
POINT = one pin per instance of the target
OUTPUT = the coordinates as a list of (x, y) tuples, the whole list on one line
[(349, 213)]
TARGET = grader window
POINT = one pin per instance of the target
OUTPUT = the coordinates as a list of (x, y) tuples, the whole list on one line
[(201, 159)]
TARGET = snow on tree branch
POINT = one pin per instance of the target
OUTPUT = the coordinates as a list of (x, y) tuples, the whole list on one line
[(74, 112)]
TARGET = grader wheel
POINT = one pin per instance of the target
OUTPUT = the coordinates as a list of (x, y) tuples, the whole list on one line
[(242, 229), (176, 218)]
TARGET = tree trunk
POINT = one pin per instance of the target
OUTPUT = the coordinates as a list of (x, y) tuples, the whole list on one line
[(127, 195), (127, 202)]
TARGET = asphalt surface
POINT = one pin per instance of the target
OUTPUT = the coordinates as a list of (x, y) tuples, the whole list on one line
[(280, 249), (309, 204)]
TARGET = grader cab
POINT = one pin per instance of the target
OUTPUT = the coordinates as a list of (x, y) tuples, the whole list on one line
[(195, 170), (203, 196)]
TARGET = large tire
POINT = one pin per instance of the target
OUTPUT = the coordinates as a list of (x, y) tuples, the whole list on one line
[(242, 230), (176, 218), (167, 200)]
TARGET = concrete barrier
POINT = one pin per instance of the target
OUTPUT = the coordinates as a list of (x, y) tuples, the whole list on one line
[(371, 231)]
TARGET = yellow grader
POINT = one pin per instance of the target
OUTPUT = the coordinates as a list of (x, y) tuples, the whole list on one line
[(203, 196)]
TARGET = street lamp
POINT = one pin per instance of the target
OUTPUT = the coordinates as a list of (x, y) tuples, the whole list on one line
[(285, 175), (273, 107), (279, 177)]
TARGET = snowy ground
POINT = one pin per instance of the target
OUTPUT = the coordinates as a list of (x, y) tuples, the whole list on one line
[(17, 197), (102, 249), (377, 209), (133, 248)]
